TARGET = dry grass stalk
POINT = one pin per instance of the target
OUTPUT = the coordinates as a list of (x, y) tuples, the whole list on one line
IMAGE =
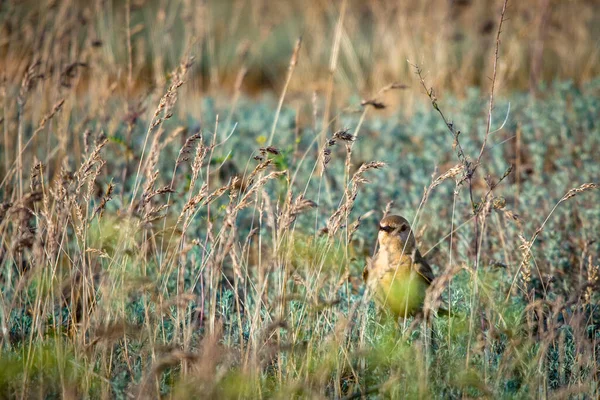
[(333, 61), (492, 89), (288, 314), (185, 151), (575, 191), (262, 166), (593, 276), (295, 208), (450, 173), (291, 68), (341, 214), (165, 106), (528, 244), (245, 200)]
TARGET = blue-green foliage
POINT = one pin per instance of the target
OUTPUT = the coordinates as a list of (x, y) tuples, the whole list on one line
[(553, 143)]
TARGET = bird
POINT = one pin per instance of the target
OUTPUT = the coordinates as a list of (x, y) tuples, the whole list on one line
[(398, 275)]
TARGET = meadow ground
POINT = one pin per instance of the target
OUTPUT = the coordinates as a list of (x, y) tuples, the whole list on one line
[(190, 218)]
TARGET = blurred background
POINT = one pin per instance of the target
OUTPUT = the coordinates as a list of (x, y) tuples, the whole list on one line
[(247, 44), (183, 207)]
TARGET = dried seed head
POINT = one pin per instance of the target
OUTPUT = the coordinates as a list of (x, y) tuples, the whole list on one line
[(499, 203), (396, 85), (369, 165), (36, 176), (344, 136), (270, 149), (451, 173), (105, 199), (592, 279), (326, 156), (583, 188), (378, 105), (300, 205)]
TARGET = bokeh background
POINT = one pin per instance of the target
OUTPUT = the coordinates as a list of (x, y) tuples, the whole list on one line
[(136, 43), (190, 190)]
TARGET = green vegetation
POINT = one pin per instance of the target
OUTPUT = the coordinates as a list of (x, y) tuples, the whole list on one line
[(154, 244)]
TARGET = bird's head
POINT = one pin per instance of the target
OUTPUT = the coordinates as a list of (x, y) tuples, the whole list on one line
[(395, 235)]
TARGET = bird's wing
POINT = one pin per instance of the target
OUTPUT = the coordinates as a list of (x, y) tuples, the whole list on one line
[(422, 268)]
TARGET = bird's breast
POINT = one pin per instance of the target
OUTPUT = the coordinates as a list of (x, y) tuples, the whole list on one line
[(396, 286)]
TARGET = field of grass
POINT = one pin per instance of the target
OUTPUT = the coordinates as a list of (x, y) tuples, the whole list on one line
[(185, 219)]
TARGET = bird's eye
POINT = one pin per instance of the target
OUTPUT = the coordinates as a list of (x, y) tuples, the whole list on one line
[(403, 228), (385, 228)]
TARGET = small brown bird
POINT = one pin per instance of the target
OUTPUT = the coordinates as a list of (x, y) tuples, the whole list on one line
[(397, 274)]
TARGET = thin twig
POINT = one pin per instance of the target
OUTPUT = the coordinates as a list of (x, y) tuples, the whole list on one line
[(491, 104), (291, 68)]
